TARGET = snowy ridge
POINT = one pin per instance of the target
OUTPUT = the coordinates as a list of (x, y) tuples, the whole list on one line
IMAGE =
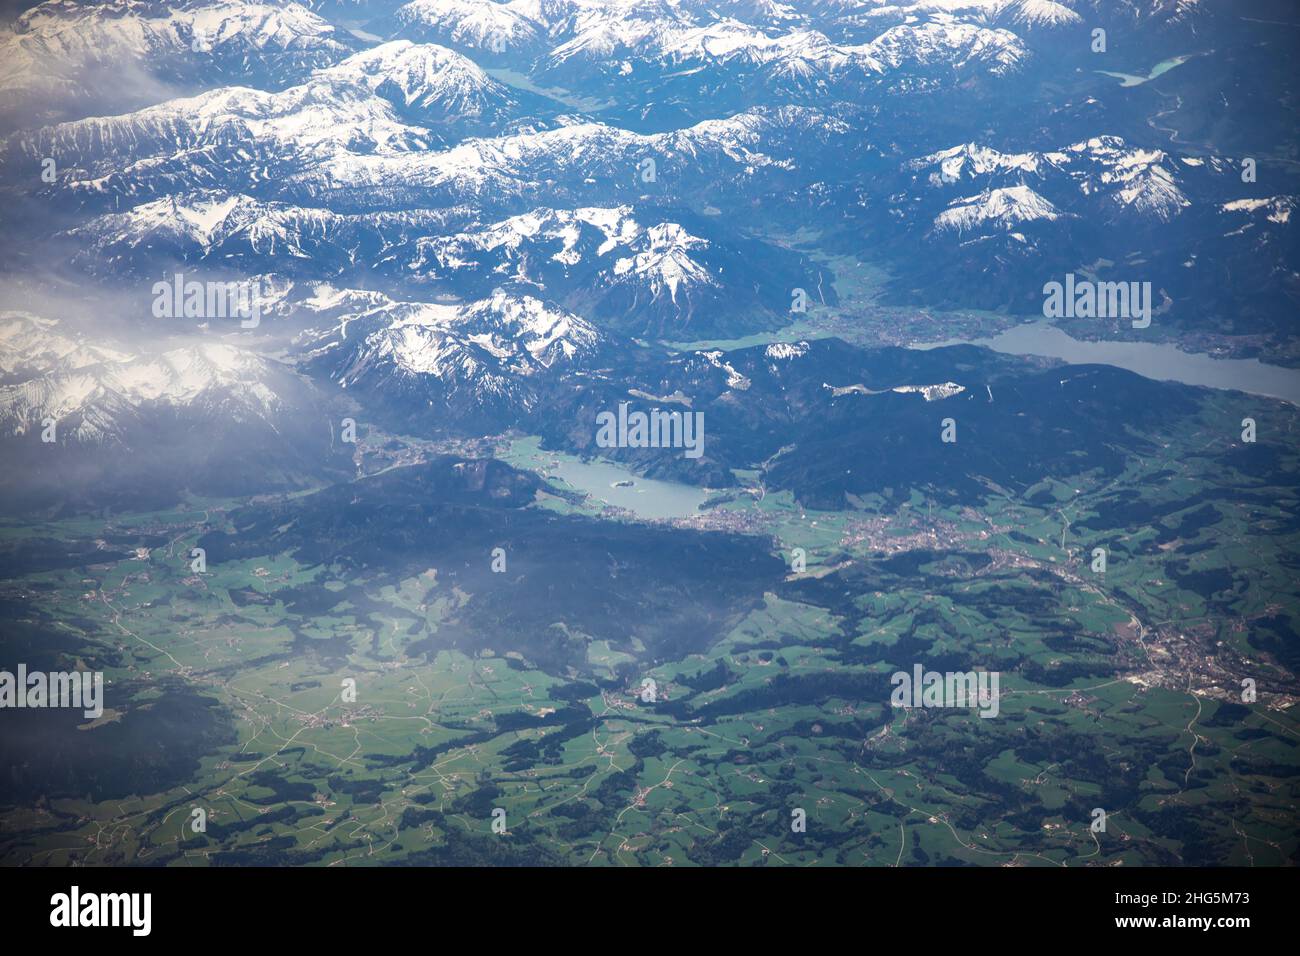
[(1024, 13), (656, 258), (200, 224), (31, 345), (1126, 180), (349, 107), (423, 76), (797, 58), (1138, 179), (480, 24), (971, 159), (932, 393), (482, 351), (666, 265), (781, 351), (1003, 208), (1276, 209), (520, 235), (47, 54), (512, 165), (800, 54), (102, 399), (949, 42)]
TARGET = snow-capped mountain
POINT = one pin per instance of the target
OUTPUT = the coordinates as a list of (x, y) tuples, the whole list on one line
[(634, 274), (748, 153), (146, 427), (480, 25), (429, 82), (95, 388), (634, 271), (1143, 181), (1274, 209), (318, 144), (234, 231), (728, 58), (396, 98), (566, 237), (1042, 14), (1029, 15), (317, 118), (972, 160), (1038, 13), (654, 167), (1002, 216), (948, 45), (674, 50), (64, 57), (1104, 174), (623, 46), (1003, 209), (665, 268), (454, 364), (31, 346), (100, 402), (546, 246)]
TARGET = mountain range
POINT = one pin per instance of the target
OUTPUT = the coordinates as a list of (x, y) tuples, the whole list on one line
[(466, 213)]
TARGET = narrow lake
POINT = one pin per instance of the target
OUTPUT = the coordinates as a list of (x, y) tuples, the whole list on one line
[(1161, 68), (1160, 361)]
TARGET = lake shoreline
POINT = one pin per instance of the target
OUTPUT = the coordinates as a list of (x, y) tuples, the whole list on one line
[(1159, 361)]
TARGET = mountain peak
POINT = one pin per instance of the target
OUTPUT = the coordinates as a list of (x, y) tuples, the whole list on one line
[(422, 75), (1006, 208)]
